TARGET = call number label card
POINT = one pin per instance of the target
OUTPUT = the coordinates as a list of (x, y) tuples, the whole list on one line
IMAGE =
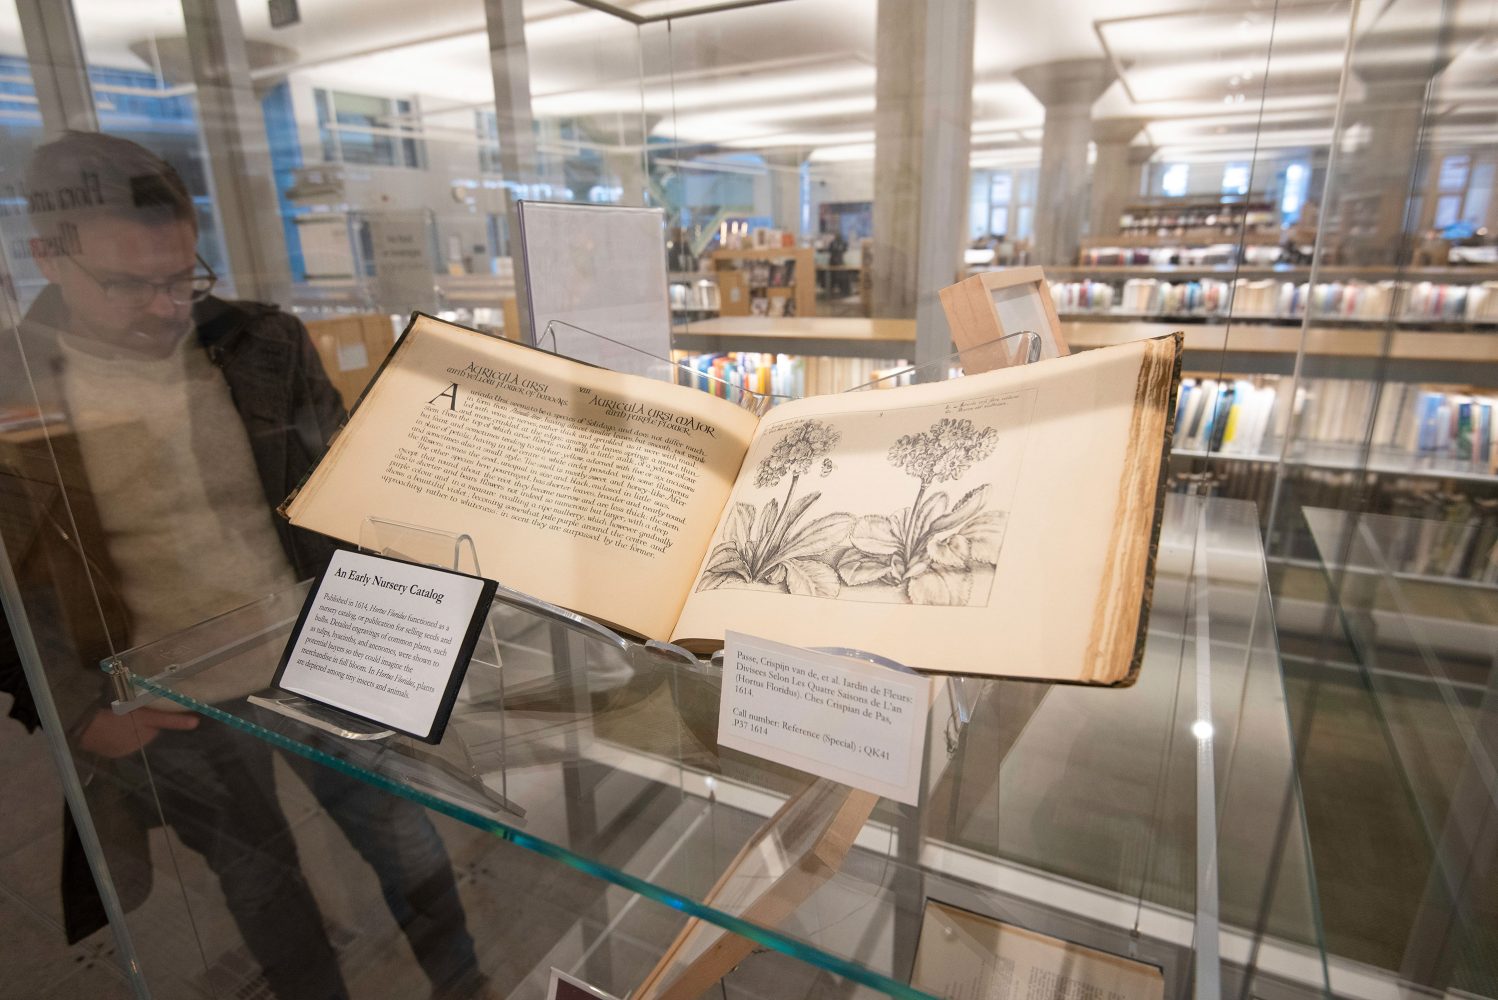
[(858, 723)]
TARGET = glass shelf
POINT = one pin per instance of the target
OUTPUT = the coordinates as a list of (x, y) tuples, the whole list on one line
[(1160, 822), (1342, 457), (1423, 646)]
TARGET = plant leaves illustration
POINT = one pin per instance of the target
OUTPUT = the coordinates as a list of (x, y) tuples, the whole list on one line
[(939, 586), (856, 568), (823, 533), (876, 534), (810, 578)]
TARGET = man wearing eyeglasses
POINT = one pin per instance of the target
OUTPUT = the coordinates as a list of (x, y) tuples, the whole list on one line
[(189, 418)]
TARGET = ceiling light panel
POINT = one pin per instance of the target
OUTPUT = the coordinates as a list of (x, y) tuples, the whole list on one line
[(1230, 64)]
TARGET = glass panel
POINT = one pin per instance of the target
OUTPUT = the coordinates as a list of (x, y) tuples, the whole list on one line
[(146, 429), (618, 727), (1389, 444), (1426, 659), (41, 959), (1306, 190)]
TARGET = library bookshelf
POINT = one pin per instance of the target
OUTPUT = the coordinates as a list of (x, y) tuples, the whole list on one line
[(771, 282), (1315, 434)]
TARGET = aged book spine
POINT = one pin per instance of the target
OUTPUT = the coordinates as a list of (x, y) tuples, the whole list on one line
[(1131, 556)]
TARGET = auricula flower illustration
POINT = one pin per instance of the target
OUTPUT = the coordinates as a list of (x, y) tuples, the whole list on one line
[(774, 547), (931, 548), (944, 451), (795, 453)]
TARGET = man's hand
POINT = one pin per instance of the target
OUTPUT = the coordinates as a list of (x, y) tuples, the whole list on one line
[(109, 735)]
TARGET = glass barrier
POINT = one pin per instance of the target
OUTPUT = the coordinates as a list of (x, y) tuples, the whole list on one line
[(1054, 809), (1307, 191)]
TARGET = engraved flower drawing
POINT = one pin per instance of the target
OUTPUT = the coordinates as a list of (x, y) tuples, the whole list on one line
[(776, 546), (933, 550)]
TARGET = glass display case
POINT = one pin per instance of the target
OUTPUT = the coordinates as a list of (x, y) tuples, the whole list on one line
[(1292, 800), (1161, 823)]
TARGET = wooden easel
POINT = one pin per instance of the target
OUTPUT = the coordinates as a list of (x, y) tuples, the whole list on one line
[(824, 815)]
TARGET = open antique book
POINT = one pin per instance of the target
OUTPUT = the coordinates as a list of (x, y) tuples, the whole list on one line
[(998, 524)]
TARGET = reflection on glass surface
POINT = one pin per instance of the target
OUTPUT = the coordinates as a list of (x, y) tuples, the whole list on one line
[(1306, 189), (1095, 786)]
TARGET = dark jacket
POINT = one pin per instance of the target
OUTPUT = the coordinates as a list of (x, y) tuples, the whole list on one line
[(53, 538)]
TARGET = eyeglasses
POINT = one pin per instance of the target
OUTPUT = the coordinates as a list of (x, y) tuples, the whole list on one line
[(137, 293)]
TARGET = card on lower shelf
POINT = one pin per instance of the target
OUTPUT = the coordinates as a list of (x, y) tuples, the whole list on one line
[(965, 954)]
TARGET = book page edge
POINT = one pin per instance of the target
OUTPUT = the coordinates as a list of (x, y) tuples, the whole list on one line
[(1111, 631)]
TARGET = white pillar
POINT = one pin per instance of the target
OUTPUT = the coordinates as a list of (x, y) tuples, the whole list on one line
[(785, 190), (1067, 89), (59, 72), (233, 129), (1115, 179), (509, 64), (922, 135), (1392, 112)]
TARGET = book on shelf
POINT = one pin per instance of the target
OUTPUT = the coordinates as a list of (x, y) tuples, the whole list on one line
[(1444, 534), (1220, 254), (1082, 296), (1446, 531), (1414, 420), (1231, 417), (1271, 298), (1430, 421), (1001, 523), (699, 295), (789, 376)]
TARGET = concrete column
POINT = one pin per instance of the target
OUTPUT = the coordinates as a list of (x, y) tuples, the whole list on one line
[(58, 68), (1378, 180), (922, 135), (785, 190), (1139, 161), (1068, 89), (1115, 180), (1491, 219), (630, 169), (233, 129), (509, 64), (623, 140)]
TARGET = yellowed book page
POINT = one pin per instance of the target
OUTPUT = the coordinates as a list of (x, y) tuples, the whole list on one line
[(996, 524), (584, 487), (965, 956)]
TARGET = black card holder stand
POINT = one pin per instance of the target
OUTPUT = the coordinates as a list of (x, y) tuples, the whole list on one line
[(473, 755)]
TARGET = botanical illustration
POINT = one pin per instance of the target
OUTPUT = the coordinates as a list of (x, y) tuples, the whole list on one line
[(934, 551), (776, 547)]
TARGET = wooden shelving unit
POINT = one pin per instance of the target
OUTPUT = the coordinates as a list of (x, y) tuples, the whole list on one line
[(1247, 348), (734, 270), (1212, 215), (1216, 350)]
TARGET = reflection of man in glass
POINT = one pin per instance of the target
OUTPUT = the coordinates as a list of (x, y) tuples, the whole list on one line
[(190, 417)]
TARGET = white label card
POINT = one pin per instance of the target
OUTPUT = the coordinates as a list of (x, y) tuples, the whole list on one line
[(857, 723), (386, 640)]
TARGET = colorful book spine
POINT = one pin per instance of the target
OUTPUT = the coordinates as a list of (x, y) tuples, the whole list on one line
[(780, 376)]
